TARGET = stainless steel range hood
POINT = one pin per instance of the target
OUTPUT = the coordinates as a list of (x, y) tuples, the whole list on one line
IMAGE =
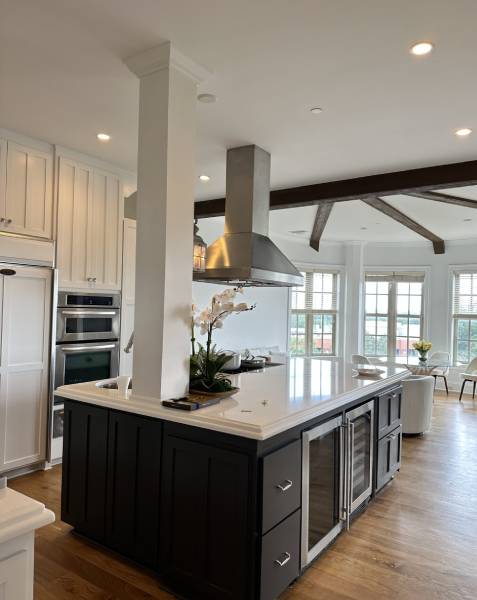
[(245, 255)]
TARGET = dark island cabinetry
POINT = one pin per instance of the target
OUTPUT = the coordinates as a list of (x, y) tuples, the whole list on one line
[(111, 479), (217, 516)]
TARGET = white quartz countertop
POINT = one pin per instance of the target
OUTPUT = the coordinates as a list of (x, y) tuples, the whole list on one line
[(20, 514), (269, 401)]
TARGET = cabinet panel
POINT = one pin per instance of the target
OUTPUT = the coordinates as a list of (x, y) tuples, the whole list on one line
[(280, 557), (24, 367), (75, 190), (389, 412), (389, 457), (29, 198), (85, 447), (281, 484), (133, 486), (90, 214), (15, 579), (206, 529)]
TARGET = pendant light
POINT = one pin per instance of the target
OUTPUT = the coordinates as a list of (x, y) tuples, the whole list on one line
[(200, 251)]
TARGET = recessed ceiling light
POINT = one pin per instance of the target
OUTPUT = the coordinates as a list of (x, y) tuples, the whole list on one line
[(316, 110), (467, 220), (103, 137), (463, 132), (298, 231), (422, 48), (204, 177), (207, 98), (363, 228)]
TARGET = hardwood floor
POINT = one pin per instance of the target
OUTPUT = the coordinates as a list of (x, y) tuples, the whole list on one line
[(418, 540)]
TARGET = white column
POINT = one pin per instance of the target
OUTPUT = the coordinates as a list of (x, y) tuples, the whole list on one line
[(165, 208), (353, 321)]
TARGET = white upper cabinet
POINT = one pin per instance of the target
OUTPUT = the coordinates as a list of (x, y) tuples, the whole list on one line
[(26, 204), (89, 236)]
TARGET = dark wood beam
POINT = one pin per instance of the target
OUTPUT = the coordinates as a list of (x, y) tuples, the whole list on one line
[(446, 198), (399, 182), (400, 217), (322, 215)]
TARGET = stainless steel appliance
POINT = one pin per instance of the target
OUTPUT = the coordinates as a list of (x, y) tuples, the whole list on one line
[(87, 345), (244, 254), (337, 476), (87, 317)]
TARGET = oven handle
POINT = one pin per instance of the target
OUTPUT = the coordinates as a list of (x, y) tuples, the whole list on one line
[(90, 347), (74, 313)]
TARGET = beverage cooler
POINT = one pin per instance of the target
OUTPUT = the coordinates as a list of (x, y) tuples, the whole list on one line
[(337, 476)]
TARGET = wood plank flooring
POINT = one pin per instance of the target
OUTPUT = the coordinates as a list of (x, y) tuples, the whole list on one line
[(418, 540)]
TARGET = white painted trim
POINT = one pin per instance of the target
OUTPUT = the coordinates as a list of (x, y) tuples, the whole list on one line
[(25, 140), (341, 301), (162, 57), (427, 270), (461, 268)]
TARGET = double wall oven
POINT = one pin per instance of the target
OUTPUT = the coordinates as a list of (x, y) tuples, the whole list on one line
[(87, 345), (337, 476)]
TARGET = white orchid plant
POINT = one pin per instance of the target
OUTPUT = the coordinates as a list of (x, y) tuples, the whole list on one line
[(207, 363)]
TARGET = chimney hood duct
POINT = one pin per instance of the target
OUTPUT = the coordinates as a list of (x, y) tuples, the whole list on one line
[(245, 255)]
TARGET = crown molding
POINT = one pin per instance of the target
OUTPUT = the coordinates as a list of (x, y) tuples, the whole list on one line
[(163, 57)]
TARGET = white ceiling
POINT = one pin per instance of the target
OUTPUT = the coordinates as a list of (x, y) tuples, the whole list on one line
[(62, 79)]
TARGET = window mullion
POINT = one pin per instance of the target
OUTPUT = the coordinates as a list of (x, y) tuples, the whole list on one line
[(392, 301)]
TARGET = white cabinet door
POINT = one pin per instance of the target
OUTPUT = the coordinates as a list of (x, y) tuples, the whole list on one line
[(24, 367), (29, 196), (75, 193), (90, 215), (128, 294), (105, 231), (15, 583)]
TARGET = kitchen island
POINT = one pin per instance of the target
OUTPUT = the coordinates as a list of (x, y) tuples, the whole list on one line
[(234, 500)]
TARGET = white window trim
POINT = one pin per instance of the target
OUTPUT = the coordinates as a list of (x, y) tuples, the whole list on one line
[(426, 298), (450, 308), (340, 304)]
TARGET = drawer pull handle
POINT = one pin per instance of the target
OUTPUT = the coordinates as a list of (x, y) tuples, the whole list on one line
[(286, 485), (282, 563)]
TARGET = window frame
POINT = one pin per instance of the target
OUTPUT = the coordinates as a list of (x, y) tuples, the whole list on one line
[(457, 316), (310, 312), (392, 314)]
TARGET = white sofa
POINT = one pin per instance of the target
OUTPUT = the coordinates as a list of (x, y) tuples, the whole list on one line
[(417, 399)]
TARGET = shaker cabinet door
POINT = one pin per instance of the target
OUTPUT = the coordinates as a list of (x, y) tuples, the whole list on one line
[(134, 463), (75, 192), (90, 220), (29, 192), (85, 468), (105, 230), (24, 366), (205, 519)]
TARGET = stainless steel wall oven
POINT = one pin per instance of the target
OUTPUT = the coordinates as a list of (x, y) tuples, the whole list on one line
[(87, 345)]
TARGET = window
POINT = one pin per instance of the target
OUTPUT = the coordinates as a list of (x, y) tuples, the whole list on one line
[(464, 315), (313, 315), (393, 315)]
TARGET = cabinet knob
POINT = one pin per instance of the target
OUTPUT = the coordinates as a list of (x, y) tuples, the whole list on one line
[(286, 485), (282, 563), (2, 219), (8, 221)]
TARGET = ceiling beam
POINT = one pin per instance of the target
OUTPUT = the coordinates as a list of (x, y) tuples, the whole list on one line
[(400, 217), (322, 215), (399, 182), (446, 198)]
